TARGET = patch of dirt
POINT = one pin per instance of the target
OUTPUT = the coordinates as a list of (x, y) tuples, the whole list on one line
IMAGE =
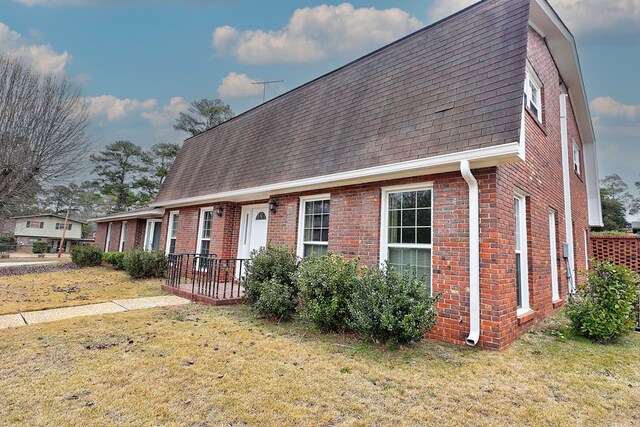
[(29, 269)]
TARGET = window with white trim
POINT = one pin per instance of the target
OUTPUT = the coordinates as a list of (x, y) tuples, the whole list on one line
[(533, 92), (313, 231), (406, 235), (576, 158), (172, 232), (152, 235), (204, 231), (107, 240), (123, 233), (522, 267)]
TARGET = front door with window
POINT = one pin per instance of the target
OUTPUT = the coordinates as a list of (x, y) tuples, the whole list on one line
[(253, 229)]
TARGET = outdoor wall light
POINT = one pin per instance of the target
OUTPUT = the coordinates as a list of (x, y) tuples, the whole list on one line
[(219, 210), (272, 206)]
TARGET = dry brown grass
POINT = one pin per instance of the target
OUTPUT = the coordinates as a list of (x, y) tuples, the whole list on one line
[(38, 291), (197, 366)]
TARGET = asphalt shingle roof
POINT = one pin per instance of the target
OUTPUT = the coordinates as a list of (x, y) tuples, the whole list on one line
[(453, 86)]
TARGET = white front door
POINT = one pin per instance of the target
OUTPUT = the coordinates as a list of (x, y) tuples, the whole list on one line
[(253, 229)]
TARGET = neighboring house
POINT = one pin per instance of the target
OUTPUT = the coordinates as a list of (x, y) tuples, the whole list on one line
[(464, 150), (47, 227), (124, 231)]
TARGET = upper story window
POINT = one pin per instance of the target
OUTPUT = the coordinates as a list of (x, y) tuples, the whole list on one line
[(533, 92), (313, 233), (576, 158), (35, 224), (60, 226)]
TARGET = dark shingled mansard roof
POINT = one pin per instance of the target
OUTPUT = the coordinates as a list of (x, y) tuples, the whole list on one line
[(453, 86)]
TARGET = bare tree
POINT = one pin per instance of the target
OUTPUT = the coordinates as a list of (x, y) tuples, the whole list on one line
[(43, 123)]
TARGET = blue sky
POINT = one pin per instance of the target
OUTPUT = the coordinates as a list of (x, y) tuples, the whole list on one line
[(139, 62)]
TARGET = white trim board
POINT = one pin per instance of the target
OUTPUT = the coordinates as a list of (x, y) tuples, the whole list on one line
[(479, 158)]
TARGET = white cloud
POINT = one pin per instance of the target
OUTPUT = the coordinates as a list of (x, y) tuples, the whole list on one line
[(236, 85), (313, 33), (41, 56), (609, 107), (117, 108), (581, 16), (166, 115)]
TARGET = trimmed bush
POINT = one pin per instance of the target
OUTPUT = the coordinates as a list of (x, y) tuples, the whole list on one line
[(115, 259), (143, 265), (86, 256), (326, 287), (603, 308), (389, 306), (39, 247), (269, 286)]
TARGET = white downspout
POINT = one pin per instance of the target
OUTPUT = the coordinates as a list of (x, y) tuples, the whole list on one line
[(474, 254), (566, 176)]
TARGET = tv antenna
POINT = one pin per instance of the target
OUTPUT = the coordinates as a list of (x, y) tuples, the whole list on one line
[(264, 87)]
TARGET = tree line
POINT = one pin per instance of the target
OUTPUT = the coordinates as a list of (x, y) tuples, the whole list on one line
[(44, 144), (618, 203)]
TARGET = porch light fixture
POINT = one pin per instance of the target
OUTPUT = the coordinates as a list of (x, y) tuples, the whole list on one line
[(272, 206), (219, 210)]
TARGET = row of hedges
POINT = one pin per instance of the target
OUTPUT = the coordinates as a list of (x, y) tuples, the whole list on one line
[(334, 294), (138, 263)]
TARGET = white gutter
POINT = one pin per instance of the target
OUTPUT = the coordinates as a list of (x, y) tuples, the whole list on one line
[(474, 254), (482, 157), (566, 169)]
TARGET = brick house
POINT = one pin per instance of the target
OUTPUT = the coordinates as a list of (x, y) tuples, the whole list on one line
[(138, 228), (464, 150)]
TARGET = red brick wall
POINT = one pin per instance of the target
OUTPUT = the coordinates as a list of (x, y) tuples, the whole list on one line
[(540, 177), (619, 250)]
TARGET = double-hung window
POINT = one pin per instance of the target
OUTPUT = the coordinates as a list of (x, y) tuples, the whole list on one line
[(576, 158), (313, 231), (406, 234), (172, 232), (204, 231), (533, 92), (521, 263)]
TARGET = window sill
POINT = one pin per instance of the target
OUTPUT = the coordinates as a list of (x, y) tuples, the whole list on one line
[(558, 303), (525, 316)]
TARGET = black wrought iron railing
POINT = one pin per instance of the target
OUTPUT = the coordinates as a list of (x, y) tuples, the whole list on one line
[(207, 275)]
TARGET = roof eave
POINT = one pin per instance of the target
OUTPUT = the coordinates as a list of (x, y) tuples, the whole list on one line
[(479, 158)]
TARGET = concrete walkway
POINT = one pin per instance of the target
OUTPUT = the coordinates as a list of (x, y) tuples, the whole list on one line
[(115, 306)]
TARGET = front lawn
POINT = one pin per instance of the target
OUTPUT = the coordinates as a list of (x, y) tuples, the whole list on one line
[(38, 291), (198, 365)]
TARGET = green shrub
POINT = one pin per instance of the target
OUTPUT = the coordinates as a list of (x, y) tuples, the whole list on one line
[(603, 308), (326, 287), (389, 306), (115, 259), (269, 287), (39, 247), (86, 256), (142, 265)]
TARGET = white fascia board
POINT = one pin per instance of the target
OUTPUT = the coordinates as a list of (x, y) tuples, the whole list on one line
[(151, 213), (479, 158)]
